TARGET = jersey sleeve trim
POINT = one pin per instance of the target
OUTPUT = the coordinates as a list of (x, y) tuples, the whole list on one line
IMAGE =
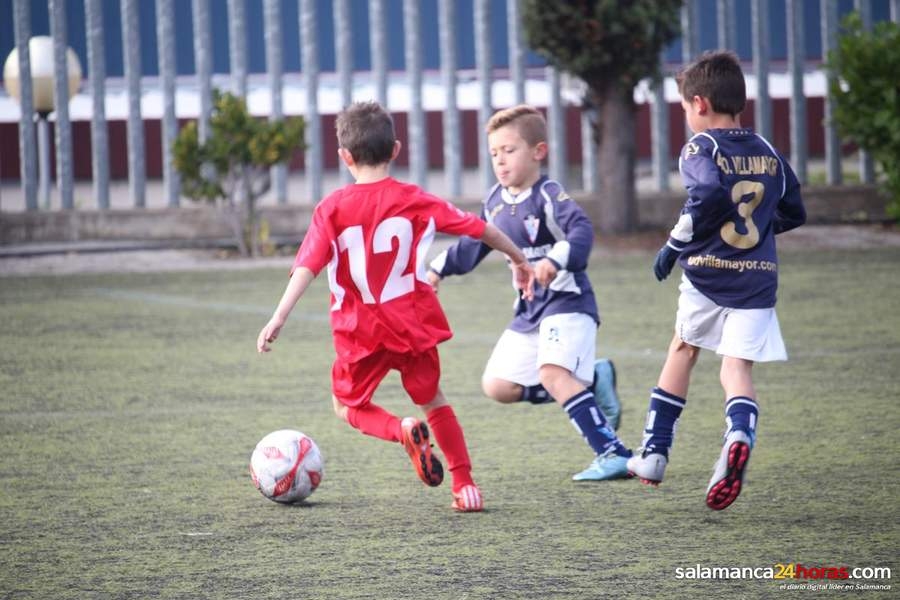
[(713, 152), (780, 162), (560, 253), (550, 214), (682, 233), (488, 217), (438, 263)]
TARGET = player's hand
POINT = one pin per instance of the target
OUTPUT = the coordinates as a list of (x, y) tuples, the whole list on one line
[(269, 334), (523, 275), (545, 271), (433, 279), (665, 260)]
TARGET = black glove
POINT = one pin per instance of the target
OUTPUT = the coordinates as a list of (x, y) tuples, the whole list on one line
[(665, 260)]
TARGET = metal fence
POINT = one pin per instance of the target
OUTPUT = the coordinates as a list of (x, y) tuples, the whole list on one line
[(486, 73)]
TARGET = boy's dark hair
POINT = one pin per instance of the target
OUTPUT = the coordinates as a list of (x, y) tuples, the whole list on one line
[(366, 131), (716, 75)]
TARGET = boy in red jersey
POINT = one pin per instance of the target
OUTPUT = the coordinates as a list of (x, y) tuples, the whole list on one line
[(373, 237)]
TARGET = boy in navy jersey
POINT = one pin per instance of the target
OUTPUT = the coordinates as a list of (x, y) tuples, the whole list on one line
[(547, 352), (741, 193)]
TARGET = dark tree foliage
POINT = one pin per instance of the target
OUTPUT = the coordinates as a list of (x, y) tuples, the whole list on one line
[(611, 45), (603, 42)]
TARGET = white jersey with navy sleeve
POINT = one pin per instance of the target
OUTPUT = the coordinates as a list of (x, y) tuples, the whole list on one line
[(741, 193), (545, 223)]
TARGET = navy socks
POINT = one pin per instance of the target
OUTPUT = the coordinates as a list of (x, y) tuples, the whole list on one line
[(588, 419), (662, 419)]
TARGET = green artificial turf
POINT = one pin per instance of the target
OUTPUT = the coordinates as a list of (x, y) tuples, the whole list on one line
[(130, 403)]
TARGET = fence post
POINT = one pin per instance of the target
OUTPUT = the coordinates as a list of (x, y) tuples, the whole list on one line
[(137, 168), (313, 129), (64, 174), (834, 175), (274, 67), (203, 65), (796, 61), (688, 42), (165, 33), (590, 179), (97, 71), (866, 164), (659, 117), (343, 51), (556, 120), (418, 147), (516, 50), (452, 145), (237, 47), (27, 149), (762, 108), (378, 49), (725, 25), (484, 67)]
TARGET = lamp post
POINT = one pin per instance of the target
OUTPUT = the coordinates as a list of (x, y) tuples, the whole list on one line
[(40, 49)]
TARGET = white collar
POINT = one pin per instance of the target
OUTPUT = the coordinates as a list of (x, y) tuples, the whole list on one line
[(508, 198)]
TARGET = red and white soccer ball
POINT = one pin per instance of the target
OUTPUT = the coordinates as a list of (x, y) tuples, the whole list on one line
[(286, 466)]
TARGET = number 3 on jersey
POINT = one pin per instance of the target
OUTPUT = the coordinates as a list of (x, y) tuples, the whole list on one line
[(729, 232), (352, 241)]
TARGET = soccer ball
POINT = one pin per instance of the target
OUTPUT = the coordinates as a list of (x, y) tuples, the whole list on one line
[(286, 466)]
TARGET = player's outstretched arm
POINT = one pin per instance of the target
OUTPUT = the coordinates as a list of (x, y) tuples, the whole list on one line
[(300, 280), (523, 273)]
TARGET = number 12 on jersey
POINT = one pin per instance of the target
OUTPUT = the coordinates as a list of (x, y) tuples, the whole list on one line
[(352, 241)]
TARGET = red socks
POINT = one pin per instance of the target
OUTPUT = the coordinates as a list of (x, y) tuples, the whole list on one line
[(448, 434), (373, 420)]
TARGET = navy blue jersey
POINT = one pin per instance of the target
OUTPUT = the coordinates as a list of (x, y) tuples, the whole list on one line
[(545, 223), (741, 193)]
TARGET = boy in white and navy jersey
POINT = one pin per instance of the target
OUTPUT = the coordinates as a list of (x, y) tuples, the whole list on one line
[(547, 352), (741, 193)]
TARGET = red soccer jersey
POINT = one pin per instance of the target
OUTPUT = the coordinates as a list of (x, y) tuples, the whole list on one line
[(374, 238)]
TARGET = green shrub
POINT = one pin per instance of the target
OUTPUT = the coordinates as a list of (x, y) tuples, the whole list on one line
[(866, 89), (231, 168)]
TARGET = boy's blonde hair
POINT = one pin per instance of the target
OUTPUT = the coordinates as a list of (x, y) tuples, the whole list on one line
[(528, 121)]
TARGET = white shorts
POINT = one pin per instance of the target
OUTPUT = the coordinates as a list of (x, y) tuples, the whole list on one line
[(567, 340), (748, 333)]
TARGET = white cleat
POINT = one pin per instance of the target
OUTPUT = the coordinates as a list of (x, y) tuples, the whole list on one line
[(728, 474), (649, 467)]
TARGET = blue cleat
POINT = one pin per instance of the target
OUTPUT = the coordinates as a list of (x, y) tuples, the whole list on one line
[(604, 467), (605, 391)]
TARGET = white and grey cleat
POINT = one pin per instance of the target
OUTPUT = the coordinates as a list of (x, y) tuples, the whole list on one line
[(649, 467), (728, 474)]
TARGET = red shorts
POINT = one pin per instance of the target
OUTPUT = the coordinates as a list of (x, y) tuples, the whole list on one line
[(354, 383)]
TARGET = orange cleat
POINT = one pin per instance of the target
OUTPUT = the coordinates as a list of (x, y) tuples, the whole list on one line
[(414, 437)]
